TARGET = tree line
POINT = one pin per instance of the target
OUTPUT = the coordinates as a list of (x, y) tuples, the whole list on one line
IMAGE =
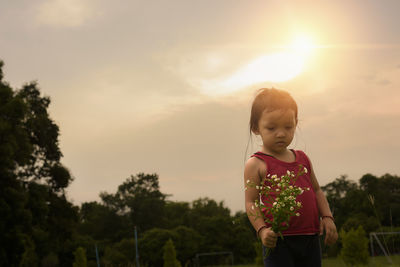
[(39, 226)]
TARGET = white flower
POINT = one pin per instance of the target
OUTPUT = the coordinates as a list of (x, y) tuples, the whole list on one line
[(268, 175), (274, 176), (297, 214), (298, 204), (268, 187), (288, 172), (277, 190), (274, 204), (257, 187), (248, 181), (305, 170), (290, 187), (279, 185), (252, 207), (291, 208)]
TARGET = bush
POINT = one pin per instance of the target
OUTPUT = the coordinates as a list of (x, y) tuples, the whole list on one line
[(170, 255), (259, 260), (355, 247), (80, 257)]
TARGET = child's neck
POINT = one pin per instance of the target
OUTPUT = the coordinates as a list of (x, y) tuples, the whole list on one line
[(286, 155)]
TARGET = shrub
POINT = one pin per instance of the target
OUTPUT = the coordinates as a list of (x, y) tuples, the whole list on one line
[(80, 257), (170, 255), (355, 247), (259, 260)]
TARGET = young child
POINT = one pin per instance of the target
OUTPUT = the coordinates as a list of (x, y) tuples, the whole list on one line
[(274, 119)]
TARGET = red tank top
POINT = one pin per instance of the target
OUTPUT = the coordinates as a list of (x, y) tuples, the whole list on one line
[(308, 221)]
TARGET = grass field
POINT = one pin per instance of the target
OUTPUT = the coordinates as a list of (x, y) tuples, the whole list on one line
[(337, 262), (374, 261)]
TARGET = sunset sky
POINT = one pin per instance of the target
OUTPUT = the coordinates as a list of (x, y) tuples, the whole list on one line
[(166, 86)]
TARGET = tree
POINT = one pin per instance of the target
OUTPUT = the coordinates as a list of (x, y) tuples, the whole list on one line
[(140, 198), (176, 213), (243, 238), (169, 255), (122, 253), (386, 193), (80, 257), (351, 203), (96, 220), (151, 244), (214, 220), (187, 242), (29, 258), (114, 257), (30, 169), (355, 247), (336, 193), (50, 260)]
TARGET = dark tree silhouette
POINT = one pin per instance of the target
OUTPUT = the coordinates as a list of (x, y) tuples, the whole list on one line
[(33, 208)]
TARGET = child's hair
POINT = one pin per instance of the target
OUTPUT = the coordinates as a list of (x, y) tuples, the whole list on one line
[(270, 99)]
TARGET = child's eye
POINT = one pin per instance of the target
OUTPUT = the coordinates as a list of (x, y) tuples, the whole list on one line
[(289, 127), (270, 128)]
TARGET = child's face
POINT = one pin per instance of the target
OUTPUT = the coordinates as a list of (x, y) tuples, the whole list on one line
[(276, 129)]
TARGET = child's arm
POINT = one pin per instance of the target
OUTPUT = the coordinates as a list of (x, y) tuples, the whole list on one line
[(252, 172), (327, 222)]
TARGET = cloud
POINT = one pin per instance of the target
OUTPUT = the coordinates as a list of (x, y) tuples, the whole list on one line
[(65, 13)]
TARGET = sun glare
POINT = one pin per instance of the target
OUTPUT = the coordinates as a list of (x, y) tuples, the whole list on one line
[(303, 44), (275, 67)]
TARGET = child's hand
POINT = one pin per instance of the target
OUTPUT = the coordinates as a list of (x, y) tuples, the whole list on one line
[(331, 234), (268, 237)]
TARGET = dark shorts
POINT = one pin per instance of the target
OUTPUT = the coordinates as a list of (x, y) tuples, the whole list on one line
[(295, 251)]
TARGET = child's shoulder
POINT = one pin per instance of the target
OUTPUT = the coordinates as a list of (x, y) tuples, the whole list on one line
[(299, 151), (302, 156), (254, 164)]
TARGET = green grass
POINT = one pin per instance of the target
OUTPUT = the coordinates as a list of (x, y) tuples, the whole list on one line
[(373, 262), (337, 262)]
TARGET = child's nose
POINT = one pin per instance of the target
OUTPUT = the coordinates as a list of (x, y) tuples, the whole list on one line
[(280, 134)]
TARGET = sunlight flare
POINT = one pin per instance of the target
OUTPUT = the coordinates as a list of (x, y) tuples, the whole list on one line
[(275, 67)]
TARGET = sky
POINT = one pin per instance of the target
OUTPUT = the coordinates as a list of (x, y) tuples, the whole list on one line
[(166, 86)]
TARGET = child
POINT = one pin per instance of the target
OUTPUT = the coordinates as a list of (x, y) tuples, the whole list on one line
[(274, 119)]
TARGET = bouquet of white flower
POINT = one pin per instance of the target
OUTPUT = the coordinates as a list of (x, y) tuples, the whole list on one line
[(278, 199)]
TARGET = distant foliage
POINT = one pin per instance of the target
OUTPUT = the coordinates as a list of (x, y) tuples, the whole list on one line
[(169, 255), (50, 260), (80, 257), (350, 203), (259, 260), (355, 247), (29, 257)]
